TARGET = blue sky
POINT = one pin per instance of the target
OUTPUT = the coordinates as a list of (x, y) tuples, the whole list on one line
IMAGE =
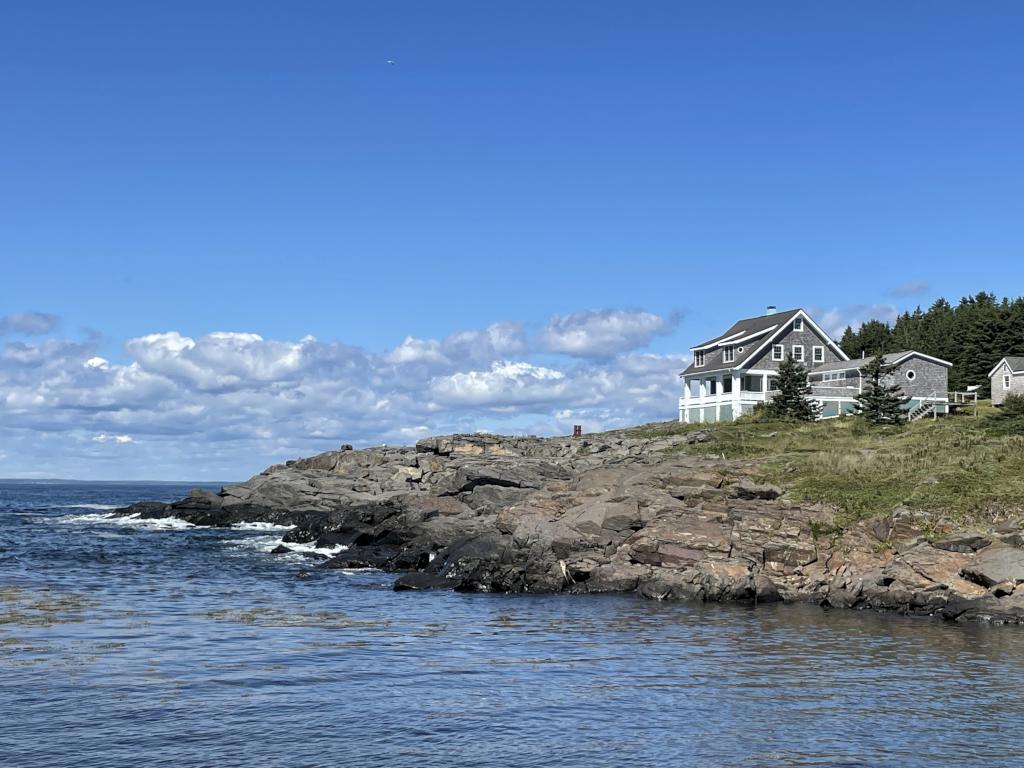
[(600, 184)]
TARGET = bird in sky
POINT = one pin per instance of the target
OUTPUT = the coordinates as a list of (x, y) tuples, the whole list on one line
[(391, 62)]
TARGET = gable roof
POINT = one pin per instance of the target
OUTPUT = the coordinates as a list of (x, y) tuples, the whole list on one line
[(759, 331), (1016, 365), (888, 359)]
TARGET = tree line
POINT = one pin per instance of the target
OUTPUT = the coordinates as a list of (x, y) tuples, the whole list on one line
[(974, 335)]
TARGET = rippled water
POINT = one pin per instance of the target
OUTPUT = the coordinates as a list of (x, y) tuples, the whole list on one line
[(136, 644)]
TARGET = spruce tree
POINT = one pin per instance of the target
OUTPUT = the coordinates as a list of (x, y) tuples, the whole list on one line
[(880, 402), (792, 401)]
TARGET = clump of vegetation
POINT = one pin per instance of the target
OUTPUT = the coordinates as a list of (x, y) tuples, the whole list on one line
[(959, 466), (880, 402), (973, 335), (1009, 419), (792, 402)]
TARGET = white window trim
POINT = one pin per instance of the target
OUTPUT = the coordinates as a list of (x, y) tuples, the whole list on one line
[(817, 354), (729, 354), (798, 324), (799, 359), (1006, 381), (781, 350), (699, 359)]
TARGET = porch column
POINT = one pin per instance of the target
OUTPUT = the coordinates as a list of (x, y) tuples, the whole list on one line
[(685, 415), (737, 399), (764, 386), (718, 398)]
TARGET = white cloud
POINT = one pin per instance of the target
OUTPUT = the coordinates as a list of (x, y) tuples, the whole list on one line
[(603, 333), (505, 384), (417, 351), (120, 439), (225, 404)]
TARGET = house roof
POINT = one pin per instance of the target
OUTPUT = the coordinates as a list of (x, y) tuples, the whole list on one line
[(889, 359), (1016, 365), (750, 326), (757, 331)]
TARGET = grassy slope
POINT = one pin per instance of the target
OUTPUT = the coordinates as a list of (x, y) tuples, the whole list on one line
[(960, 467)]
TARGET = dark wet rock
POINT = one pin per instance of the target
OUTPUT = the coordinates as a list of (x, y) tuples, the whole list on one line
[(281, 549), (421, 581), (747, 489), (612, 513), (363, 557), (968, 542), (147, 509)]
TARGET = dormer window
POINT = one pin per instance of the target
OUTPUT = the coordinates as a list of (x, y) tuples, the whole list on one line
[(698, 359), (728, 354), (798, 324), (778, 352)]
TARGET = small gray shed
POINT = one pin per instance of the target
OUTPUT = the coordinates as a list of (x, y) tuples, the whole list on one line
[(1007, 378)]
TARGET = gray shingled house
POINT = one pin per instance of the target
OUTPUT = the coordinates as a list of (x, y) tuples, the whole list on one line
[(733, 372), (1007, 378), (922, 378)]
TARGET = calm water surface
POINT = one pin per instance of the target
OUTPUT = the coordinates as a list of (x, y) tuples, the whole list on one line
[(123, 644)]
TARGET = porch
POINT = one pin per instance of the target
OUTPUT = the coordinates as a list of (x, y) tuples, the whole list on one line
[(723, 396)]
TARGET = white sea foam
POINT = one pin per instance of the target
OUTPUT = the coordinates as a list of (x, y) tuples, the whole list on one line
[(270, 543), (261, 527), (258, 543), (313, 548), (91, 506), (156, 523)]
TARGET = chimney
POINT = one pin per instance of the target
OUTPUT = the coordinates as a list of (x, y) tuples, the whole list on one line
[(771, 309)]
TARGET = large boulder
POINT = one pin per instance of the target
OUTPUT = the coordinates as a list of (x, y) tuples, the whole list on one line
[(996, 565)]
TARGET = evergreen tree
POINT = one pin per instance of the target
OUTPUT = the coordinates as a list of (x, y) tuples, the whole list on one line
[(792, 401), (880, 402), (850, 342)]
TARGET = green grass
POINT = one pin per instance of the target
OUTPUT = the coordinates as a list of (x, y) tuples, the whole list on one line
[(964, 468)]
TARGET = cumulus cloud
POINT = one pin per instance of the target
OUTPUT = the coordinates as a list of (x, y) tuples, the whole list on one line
[(225, 404), (603, 333), (29, 323), (836, 320)]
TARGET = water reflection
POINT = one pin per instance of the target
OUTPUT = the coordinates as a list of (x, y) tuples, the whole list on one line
[(122, 646)]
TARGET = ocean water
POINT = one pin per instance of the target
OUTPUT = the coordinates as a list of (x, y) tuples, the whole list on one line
[(126, 643)]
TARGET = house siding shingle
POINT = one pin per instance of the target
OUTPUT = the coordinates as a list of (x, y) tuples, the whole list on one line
[(1016, 384), (807, 337)]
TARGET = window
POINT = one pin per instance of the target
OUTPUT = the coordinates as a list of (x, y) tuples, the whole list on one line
[(911, 375), (798, 352), (818, 354), (1006, 381), (713, 387), (727, 385), (778, 352), (834, 376), (728, 354), (698, 359), (798, 324)]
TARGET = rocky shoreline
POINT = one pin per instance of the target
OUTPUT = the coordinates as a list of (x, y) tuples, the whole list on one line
[(612, 513)]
